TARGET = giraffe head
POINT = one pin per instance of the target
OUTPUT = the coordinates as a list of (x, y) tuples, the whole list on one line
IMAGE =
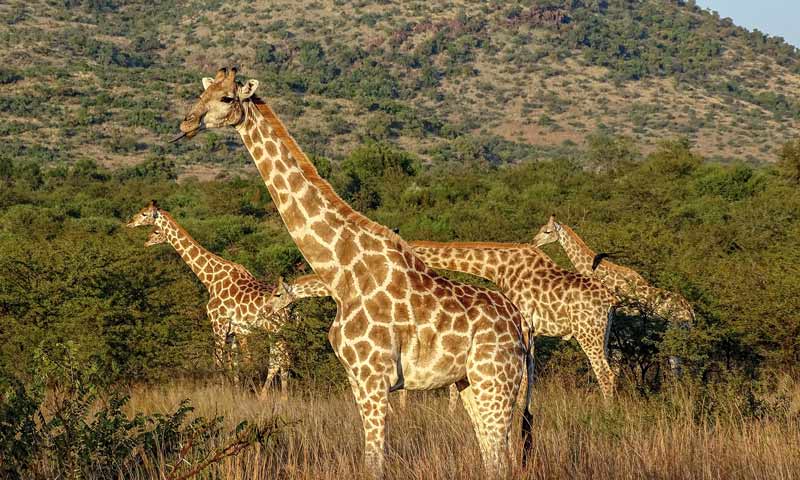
[(156, 237), (220, 104), (149, 216), (548, 233), (281, 297)]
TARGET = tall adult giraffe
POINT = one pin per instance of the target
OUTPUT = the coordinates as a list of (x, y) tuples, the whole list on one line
[(554, 302), (398, 324), (622, 280), (626, 282), (310, 286), (236, 297)]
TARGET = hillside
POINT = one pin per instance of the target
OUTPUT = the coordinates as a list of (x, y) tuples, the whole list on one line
[(495, 82)]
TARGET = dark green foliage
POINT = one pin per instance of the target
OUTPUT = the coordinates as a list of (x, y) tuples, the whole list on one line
[(69, 421), (375, 174), (790, 161)]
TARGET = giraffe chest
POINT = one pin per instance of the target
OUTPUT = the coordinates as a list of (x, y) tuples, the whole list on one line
[(546, 309)]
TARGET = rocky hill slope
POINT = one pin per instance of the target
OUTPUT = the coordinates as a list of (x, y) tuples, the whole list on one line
[(458, 80)]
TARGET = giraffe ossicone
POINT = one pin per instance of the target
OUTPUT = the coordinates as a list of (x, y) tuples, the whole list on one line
[(391, 308)]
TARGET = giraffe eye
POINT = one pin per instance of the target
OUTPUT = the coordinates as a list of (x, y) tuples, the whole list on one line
[(226, 99)]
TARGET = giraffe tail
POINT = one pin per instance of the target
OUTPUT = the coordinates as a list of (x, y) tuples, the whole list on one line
[(527, 412)]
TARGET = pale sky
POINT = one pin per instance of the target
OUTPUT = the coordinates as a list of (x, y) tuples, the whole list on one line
[(774, 17)]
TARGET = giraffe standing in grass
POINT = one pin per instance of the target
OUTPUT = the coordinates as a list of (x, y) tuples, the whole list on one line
[(554, 302), (625, 282), (310, 286), (621, 280), (398, 324), (236, 297)]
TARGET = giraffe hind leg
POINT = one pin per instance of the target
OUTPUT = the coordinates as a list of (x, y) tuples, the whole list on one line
[(489, 401)]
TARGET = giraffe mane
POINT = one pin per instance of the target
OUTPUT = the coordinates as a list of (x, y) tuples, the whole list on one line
[(311, 174), (581, 244), (183, 231)]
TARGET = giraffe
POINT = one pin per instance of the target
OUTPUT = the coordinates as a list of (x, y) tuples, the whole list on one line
[(555, 302), (398, 324), (310, 286), (624, 281), (236, 297)]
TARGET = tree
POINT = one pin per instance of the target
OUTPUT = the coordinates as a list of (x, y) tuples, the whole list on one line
[(789, 160), (611, 153)]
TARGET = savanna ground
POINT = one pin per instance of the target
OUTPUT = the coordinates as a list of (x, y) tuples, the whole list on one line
[(680, 433)]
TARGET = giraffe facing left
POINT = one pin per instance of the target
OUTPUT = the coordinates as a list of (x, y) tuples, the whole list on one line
[(236, 297)]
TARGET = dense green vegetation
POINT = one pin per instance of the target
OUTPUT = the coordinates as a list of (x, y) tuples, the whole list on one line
[(724, 236)]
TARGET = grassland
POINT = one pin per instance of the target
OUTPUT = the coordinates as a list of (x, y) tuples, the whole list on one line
[(680, 434)]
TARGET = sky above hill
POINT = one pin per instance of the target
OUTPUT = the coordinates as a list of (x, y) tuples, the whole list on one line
[(775, 17)]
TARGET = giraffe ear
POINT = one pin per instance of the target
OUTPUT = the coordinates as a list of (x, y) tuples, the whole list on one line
[(248, 89), (207, 81)]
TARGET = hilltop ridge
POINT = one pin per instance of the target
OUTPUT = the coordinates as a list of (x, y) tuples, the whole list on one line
[(463, 80)]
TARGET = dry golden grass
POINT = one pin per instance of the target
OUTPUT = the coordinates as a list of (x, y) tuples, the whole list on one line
[(575, 436)]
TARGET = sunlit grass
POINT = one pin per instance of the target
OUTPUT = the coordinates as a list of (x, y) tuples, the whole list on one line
[(673, 436)]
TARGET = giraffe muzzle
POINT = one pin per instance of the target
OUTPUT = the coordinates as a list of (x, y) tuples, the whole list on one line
[(189, 134)]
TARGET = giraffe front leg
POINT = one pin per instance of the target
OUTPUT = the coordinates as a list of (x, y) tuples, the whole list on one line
[(232, 344), (220, 357), (282, 357), (372, 397), (594, 343), (452, 403), (272, 370)]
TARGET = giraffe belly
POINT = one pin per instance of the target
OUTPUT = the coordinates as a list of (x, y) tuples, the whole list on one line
[(432, 374), (543, 327), (429, 380)]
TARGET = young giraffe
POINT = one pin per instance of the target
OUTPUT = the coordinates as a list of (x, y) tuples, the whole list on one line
[(398, 324), (555, 302), (622, 280), (310, 286), (236, 297)]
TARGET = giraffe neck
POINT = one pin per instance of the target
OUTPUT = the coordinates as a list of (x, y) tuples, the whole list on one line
[(309, 286), (203, 263), (578, 252), (479, 259), (322, 225)]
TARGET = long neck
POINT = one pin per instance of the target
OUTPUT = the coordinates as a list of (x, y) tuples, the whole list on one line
[(203, 263), (578, 252), (328, 232), (309, 286), (483, 260)]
